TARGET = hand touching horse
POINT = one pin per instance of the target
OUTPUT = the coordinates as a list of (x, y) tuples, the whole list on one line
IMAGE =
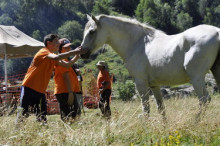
[(159, 59)]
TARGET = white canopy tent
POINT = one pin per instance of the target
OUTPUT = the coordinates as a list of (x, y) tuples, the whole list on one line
[(15, 44)]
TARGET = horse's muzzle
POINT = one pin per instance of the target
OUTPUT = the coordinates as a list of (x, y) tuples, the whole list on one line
[(86, 55)]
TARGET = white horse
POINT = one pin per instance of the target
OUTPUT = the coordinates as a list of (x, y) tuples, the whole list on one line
[(154, 58)]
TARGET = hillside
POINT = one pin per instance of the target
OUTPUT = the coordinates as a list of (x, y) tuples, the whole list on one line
[(68, 18), (114, 61)]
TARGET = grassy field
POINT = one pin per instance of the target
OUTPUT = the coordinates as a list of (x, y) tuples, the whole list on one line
[(124, 128)]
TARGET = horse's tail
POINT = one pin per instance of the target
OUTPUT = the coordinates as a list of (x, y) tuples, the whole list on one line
[(216, 66), (218, 30)]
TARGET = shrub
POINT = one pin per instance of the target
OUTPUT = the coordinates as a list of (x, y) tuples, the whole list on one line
[(126, 90)]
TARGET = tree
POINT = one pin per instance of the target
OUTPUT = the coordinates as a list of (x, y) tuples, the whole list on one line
[(102, 7), (190, 7), (5, 19), (126, 90), (184, 21), (88, 4), (173, 16), (18, 65), (211, 12), (157, 14), (71, 30), (126, 7), (36, 35), (10, 7), (43, 15)]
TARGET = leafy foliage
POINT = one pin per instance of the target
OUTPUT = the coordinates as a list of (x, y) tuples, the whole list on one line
[(71, 30), (15, 65), (176, 16), (125, 7), (126, 90), (101, 6)]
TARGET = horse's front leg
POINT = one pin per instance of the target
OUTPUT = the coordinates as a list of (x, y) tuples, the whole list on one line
[(144, 93), (159, 99)]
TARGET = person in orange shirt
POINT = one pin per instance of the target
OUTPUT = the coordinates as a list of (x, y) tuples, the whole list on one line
[(66, 86), (38, 75), (104, 86)]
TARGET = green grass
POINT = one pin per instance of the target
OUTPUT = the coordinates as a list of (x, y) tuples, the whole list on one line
[(124, 128)]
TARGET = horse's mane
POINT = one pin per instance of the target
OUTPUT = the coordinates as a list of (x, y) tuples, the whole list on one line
[(146, 27)]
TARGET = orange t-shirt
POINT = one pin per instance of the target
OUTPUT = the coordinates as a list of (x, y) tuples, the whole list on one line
[(39, 72), (60, 86), (103, 76)]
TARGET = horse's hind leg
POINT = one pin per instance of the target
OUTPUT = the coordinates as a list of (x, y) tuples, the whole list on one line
[(159, 100), (198, 61), (216, 71), (198, 82), (200, 89)]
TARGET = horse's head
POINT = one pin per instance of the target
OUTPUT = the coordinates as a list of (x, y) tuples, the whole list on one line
[(93, 37)]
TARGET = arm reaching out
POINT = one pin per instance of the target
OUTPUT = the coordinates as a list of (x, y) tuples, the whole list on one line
[(70, 63), (77, 51)]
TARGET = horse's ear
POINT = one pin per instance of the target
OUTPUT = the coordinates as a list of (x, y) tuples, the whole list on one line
[(88, 17), (94, 19)]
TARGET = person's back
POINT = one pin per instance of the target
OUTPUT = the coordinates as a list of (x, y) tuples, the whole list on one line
[(39, 72)]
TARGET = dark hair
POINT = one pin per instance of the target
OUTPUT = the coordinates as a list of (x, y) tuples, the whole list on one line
[(49, 37), (103, 67)]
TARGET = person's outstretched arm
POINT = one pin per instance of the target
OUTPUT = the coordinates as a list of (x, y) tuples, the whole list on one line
[(69, 63), (61, 56)]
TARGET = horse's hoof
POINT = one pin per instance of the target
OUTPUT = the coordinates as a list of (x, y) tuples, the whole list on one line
[(144, 115), (97, 114)]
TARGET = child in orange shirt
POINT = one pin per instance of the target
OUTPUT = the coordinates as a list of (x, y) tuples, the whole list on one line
[(38, 75), (66, 86)]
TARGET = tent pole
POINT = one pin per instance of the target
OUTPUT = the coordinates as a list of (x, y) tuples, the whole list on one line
[(6, 74)]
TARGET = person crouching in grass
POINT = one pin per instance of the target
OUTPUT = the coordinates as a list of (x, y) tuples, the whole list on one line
[(38, 75), (66, 86)]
